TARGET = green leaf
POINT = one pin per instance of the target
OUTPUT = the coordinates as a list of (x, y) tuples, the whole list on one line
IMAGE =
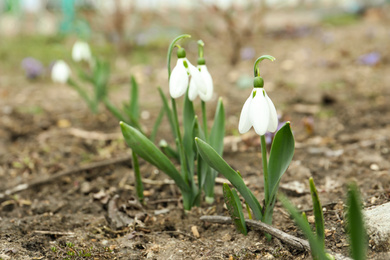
[(234, 207), (356, 230), (101, 75), (218, 130), (134, 104), (114, 110), (157, 124), (142, 146), (318, 214), (281, 154), (212, 158), (168, 111), (188, 137), (83, 94), (316, 247)]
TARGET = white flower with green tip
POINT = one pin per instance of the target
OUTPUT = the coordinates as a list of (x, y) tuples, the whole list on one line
[(180, 78), (259, 112), (81, 52), (202, 88), (60, 72)]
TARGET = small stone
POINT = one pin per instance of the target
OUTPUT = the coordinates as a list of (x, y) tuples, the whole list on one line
[(195, 231), (378, 224), (268, 256), (374, 167), (311, 219)]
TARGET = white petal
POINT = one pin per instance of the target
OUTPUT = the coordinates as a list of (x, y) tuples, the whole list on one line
[(192, 91), (81, 51), (208, 80), (178, 82), (60, 72), (197, 78), (259, 113), (245, 124), (273, 116)]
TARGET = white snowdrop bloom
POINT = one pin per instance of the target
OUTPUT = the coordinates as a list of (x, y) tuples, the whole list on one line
[(178, 81), (60, 72), (180, 77), (204, 87), (259, 112), (81, 51)]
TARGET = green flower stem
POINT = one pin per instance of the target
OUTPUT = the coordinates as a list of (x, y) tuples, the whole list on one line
[(183, 161), (170, 49), (265, 168), (200, 48), (257, 62), (204, 119)]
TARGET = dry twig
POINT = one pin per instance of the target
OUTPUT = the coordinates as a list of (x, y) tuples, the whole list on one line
[(287, 238), (54, 177)]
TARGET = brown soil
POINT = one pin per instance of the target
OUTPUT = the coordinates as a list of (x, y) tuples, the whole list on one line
[(310, 80)]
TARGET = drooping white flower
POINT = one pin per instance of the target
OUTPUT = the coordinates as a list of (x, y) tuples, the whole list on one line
[(180, 78), (81, 52), (204, 87), (258, 111), (60, 72)]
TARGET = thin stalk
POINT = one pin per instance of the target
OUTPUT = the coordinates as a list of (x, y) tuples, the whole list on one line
[(138, 181), (265, 168), (204, 119), (183, 160)]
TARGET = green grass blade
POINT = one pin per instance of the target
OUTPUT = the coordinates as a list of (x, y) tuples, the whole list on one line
[(157, 125), (168, 111), (114, 110), (142, 146), (212, 158), (188, 137), (218, 130), (356, 230), (316, 247), (318, 214), (234, 207), (134, 104)]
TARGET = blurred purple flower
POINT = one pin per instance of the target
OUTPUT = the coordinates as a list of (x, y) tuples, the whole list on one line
[(370, 59), (269, 137), (32, 67), (247, 53)]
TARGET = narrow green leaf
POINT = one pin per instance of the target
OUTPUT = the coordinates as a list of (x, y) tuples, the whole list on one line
[(139, 187), (281, 154), (83, 94), (356, 229), (316, 247), (142, 146), (212, 158), (318, 214), (114, 111), (168, 111), (157, 124), (216, 141), (234, 207), (188, 137), (218, 130), (168, 151), (134, 104)]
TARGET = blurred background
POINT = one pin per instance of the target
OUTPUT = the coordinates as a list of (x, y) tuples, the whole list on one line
[(326, 51)]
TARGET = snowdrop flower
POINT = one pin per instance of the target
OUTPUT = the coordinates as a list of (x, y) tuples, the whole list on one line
[(60, 72), (205, 90), (81, 51), (180, 77), (258, 111)]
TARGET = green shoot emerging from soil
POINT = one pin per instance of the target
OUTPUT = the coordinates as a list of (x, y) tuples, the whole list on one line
[(259, 112), (190, 81)]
